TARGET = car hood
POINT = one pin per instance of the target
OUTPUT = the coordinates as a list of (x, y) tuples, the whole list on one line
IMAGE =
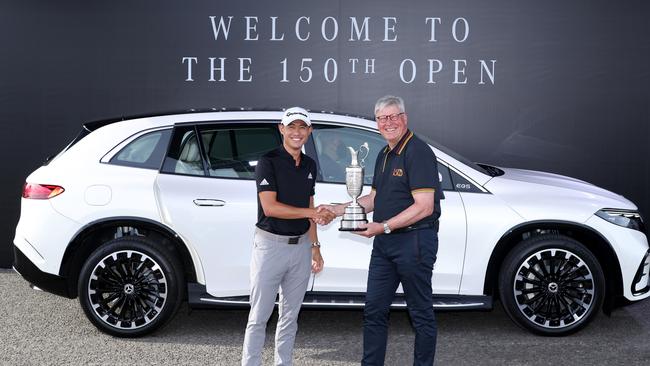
[(545, 196)]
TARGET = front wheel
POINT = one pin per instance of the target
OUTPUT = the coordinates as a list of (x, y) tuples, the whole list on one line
[(129, 287), (551, 285)]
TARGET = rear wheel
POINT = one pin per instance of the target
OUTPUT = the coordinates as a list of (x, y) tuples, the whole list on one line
[(551, 285), (130, 286)]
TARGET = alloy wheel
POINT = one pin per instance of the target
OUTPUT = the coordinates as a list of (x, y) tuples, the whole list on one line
[(554, 288), (127, 289)]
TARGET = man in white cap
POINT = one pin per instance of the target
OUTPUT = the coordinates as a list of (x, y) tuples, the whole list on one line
[(286, 246)]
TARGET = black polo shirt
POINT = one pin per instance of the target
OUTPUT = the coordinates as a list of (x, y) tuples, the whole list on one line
[(409, 167), (277, 171)]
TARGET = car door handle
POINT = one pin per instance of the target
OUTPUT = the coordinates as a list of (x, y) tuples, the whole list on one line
[(209, 202)]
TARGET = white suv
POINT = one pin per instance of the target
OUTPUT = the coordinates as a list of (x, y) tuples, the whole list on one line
[(134, 216)]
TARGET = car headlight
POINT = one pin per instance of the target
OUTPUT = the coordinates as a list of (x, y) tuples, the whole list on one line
[(625, 218)]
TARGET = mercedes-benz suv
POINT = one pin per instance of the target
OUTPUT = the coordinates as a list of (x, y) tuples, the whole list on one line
[(136, 215)]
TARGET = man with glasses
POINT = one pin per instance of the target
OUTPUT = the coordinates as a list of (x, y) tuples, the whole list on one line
[(405, 198)]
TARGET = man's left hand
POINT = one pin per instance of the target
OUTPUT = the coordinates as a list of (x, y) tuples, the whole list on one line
[(373, 228), (317, 261)]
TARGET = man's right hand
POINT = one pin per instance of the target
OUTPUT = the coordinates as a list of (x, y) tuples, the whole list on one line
[(323, 215), (337, 210)]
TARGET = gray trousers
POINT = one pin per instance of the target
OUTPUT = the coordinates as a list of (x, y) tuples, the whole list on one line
[(276, 265)]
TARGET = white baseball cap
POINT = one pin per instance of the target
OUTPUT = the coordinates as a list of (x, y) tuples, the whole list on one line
[(295, 114)]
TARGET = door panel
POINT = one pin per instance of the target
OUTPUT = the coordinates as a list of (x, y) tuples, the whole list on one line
[(221, 234), (206, 192)]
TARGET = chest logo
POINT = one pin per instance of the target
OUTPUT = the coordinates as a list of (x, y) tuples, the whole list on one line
[(398, 172), (309, 176), (264, 182)]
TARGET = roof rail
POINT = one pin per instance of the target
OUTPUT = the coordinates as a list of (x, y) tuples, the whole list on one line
[(95, 124)]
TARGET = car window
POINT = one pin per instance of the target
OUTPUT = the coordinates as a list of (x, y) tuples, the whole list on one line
[(332, 142), (463, 185), (233, 151), (146, 151), (445, 178), (184, 156)]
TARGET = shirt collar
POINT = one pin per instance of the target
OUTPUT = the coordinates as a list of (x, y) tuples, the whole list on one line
[(284, 154), (401, 144)]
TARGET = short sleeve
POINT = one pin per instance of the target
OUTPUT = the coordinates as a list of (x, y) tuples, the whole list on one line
[(379, 158), (313, 181), (422, 169), (265, 176)]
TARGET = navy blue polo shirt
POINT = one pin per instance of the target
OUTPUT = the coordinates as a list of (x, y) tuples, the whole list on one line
[(277, 171), (408, 168)]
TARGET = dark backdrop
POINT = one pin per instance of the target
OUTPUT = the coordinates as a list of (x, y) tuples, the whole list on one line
[(568, 91)]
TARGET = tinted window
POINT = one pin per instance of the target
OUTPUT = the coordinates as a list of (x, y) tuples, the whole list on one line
[(331, 144), (184, 156), (445, 178), (463, 185), (233, 151), (146, 151)]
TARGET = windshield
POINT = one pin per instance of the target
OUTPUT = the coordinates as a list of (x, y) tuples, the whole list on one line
[(455, 155)]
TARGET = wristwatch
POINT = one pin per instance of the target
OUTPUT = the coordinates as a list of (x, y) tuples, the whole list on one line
[(386, 228), (315, 244)]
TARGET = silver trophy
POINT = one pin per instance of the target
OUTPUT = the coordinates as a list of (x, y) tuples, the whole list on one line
[(354, 214)]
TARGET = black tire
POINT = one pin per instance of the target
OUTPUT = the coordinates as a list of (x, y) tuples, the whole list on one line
[(551, 285), (129, 287)]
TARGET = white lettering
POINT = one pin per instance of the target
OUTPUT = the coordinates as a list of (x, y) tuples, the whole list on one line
[(370, 66), (465, 32), (284, 71), (274, 36), (490, 74), (432, 71), (401, 71), (189, 66), (307, 19), (353, 61), (390, 28), (246, 68), (220, 68), (354, 29), (304, 67), (433, 27), (336, 29), (217, 29), (251, 26), (335, 70), (458, 71)]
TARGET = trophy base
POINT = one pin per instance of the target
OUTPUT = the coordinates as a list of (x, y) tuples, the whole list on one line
[(353, 216), (349, 225), (357, 229)]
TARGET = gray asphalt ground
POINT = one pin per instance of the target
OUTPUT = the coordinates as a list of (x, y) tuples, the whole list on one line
[(38, 328)]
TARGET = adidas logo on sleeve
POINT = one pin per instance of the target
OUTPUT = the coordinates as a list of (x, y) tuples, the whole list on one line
[(264, 182)]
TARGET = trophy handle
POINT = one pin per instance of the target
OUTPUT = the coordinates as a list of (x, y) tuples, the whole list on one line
[(367, 148)]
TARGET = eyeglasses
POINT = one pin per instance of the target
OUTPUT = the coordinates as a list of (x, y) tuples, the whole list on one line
[(392, 117)]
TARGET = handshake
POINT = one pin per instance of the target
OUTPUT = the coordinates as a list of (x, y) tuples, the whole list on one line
[(324, 214)]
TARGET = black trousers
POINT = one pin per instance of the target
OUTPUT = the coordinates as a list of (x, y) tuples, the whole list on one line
[(407, 258)]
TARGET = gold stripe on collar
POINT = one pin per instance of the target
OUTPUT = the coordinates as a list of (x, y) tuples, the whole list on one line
[(409, 135)]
